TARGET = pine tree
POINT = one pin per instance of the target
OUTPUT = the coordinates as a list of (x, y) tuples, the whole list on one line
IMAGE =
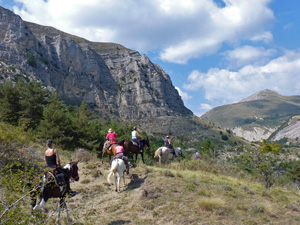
[(85, 128), (56, 123), (32, 101), (9, 103)]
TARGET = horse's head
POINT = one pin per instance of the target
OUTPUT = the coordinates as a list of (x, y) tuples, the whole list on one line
[(74, 171), (146, 142), (179, 151)]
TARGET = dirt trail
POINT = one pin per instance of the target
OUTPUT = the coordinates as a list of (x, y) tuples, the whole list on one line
[(98, 202)]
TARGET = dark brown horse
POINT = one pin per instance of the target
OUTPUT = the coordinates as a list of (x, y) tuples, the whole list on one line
[(129, 146), (48, 188), (111, 151)]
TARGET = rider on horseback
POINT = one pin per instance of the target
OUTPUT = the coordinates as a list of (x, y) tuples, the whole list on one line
[(52, 160), (110, 139), (120, 155), (111, 135), (168, 145), (134, 135)]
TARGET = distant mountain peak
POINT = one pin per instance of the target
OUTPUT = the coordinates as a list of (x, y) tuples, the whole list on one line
[(260, 95)]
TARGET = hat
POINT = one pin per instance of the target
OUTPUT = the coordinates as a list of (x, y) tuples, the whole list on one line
[(134, 128), (110, 130), (167, 136)]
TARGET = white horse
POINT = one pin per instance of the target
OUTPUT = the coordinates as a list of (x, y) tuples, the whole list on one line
[(118, 170), (165, 153)]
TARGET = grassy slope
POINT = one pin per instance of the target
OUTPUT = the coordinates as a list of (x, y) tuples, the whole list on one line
[(169, 195), (189, 192), (274, 110)]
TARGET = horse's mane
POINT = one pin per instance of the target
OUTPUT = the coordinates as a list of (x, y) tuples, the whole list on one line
[(67, 166)]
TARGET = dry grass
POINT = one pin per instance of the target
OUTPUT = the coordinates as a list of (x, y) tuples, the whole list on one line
[(174, 195)]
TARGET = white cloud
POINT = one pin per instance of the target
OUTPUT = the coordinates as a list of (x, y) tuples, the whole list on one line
[(222, 86), (248, 54), (265, 37), (202, 109), (288, 26), (181, 30), (185, 96)]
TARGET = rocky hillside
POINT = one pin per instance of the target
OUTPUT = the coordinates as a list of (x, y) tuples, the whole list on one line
[(258, 116), (111, 79), (116, 82)]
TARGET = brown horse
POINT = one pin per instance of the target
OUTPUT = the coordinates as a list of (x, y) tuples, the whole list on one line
[(48, 188), (129, 146), (111, 151)]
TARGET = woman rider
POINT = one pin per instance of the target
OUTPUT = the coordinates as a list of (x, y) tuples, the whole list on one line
[(134, 135), (52, 160), (119, 155)]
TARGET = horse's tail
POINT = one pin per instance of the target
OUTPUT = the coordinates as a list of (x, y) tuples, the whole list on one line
[(113, 169), (157, 152)]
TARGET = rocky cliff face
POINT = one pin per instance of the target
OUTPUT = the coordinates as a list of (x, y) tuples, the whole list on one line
[(111, 79)]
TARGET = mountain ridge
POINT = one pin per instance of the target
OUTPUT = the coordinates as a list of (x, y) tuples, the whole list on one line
[(256, 117), (113, 80)]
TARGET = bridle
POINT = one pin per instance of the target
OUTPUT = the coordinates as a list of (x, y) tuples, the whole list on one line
[(74, 172)]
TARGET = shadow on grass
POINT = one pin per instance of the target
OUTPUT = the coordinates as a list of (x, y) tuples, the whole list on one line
[(119, 222), (136, 182)]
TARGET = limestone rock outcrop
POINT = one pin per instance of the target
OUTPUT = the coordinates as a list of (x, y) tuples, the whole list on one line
[(115, 81)]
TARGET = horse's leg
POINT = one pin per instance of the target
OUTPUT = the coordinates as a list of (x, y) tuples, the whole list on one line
[(103, 152), (143, 157), (124, 177), (43, 200), (40, 205), (136, 157), (62, 204), (33, 196), (116, 185), (67, 211), (119, 179), (109, 159)]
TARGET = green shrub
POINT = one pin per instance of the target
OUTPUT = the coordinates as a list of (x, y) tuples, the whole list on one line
[(31, 60)]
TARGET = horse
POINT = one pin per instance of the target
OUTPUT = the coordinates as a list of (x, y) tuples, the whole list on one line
[(130, 146), (111, 151), (165, 153), (118, 170), (49, 188)]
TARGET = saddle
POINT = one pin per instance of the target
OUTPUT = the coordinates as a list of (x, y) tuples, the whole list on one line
[(58, 178), (135, 143), (110, 145)]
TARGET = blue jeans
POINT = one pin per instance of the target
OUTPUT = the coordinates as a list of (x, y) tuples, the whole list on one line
[(137, 141)]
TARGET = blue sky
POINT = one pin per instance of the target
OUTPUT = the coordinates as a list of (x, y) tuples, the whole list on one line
[(216, 52)]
